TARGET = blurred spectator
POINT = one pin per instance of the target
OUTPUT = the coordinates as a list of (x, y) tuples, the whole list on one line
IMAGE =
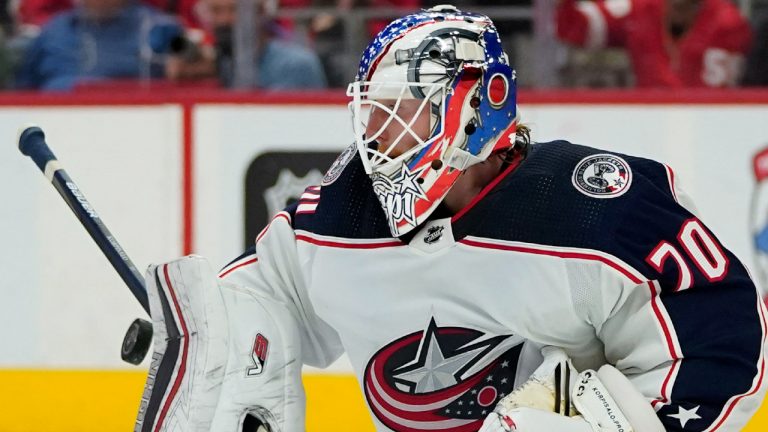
[(516, 33), (282, 64), (99, 39), (670, 43), (331, 43), (377, 25), (373, 26), (7, 21), (756, 71), (505, 26), (7, 63), (330, 33), (27, 17), (38, 12), (182, 9)]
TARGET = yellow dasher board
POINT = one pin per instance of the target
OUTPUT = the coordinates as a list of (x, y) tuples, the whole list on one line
[(106, 401)]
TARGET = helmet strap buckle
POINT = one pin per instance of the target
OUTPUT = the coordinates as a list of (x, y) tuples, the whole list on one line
[(460, 159)]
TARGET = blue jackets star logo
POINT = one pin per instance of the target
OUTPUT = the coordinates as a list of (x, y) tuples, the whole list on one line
[(440, 378)]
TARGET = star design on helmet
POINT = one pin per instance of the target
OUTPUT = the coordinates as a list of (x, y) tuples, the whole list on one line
[(685, 415), (435, 369), (409, 183)]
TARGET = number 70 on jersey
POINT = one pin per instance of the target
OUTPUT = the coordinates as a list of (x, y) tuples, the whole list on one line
[(699, 246)]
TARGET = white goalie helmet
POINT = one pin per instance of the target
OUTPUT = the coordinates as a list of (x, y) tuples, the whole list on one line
[(434, 95)]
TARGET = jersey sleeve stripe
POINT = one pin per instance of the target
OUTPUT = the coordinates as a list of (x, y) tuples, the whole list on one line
[(306, 207), (570, 253), (347, 243), (281, 215), (665, 396), (671, 180), (757, 384), (665, 322), (249, 257), (237, 265), (673, 346)]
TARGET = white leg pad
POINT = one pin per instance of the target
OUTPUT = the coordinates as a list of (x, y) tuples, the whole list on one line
[(220, 353), (190, 346)]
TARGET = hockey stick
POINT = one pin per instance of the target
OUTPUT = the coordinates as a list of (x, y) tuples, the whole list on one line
[(32, 143)]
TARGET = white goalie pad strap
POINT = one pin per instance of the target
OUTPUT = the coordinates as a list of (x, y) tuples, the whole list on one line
[(220, 353)]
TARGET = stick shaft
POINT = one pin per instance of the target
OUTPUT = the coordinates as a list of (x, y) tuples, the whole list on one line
[(32, 143)]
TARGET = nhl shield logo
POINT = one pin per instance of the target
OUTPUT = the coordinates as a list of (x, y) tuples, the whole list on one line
[(602, 176), (434, 234), (288, 188)]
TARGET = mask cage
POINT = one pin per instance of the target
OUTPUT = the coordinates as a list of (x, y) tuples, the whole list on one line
[(367, 97)]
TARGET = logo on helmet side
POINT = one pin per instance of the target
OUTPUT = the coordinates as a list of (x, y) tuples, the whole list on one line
[(602, 176)]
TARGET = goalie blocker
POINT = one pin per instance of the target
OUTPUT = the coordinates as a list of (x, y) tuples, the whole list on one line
[(224, 359)]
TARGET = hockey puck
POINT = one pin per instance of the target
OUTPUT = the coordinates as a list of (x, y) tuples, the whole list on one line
[(136, 342)]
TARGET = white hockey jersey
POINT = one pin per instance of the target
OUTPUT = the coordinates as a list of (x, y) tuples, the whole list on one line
[(579, 248)]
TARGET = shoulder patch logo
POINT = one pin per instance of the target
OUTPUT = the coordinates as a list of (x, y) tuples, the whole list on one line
[(602, 176), (338, 166)]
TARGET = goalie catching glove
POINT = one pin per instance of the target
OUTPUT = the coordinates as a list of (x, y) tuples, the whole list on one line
[(558, 398)]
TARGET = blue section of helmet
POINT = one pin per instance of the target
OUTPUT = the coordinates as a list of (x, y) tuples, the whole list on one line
[(493, 121), (397, 28)]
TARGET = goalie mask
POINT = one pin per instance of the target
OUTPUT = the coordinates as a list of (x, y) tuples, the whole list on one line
[(434, 95)]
